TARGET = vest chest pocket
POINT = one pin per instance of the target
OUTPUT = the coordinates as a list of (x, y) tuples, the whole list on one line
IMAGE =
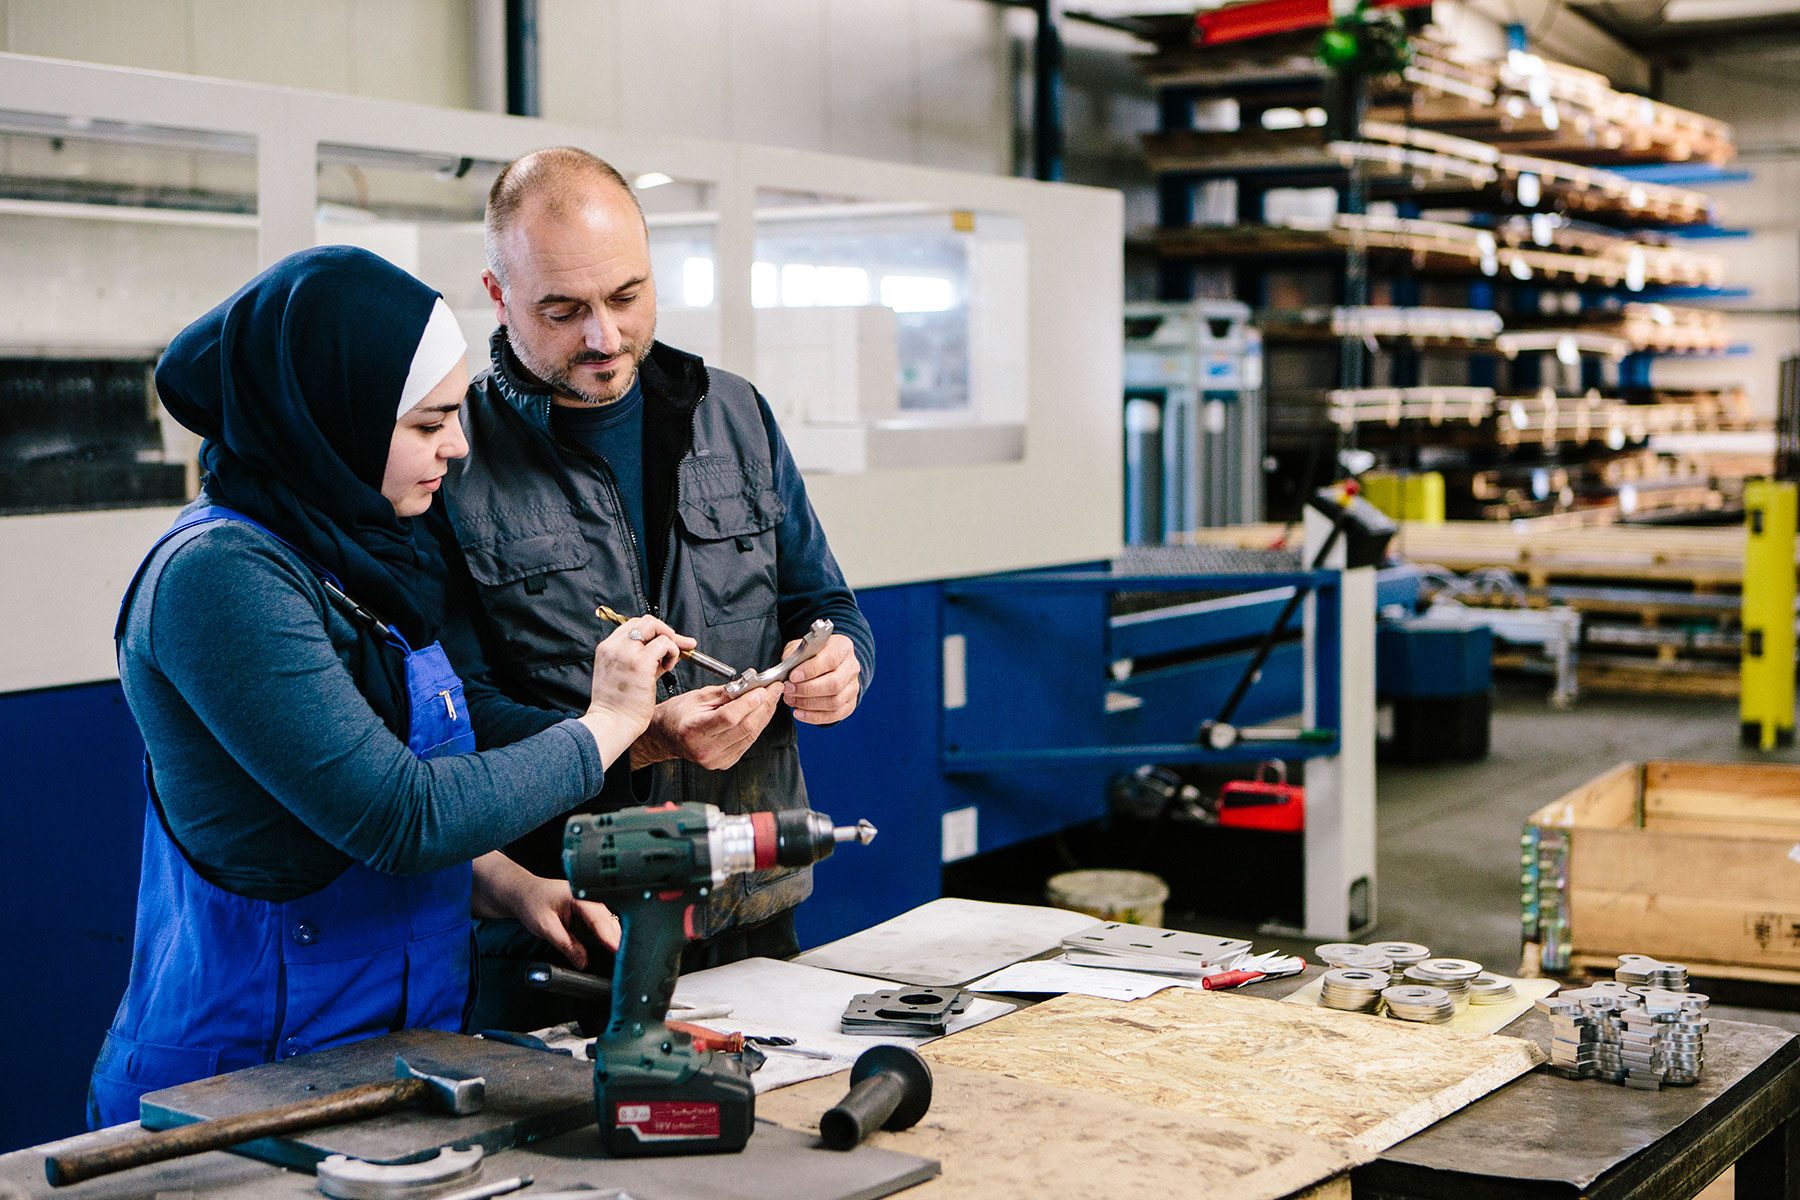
[(534, 589), (728, 548)]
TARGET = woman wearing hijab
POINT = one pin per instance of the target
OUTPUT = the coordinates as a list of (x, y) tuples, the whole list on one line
[(319, 828)]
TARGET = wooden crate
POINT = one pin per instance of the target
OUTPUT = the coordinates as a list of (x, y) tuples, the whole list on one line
[(1698, 863)]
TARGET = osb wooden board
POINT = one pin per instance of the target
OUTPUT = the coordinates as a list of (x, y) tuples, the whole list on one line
[(997, 1136), (1357, 1084)]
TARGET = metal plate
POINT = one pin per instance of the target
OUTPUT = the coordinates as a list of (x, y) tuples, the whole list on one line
[(1141, 942), (530, 1095)]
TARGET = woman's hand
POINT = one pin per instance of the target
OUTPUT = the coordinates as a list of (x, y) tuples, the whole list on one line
[(544, 906), (626, 667)]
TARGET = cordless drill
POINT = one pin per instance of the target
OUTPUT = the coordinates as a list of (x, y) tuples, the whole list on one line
[(655, 1092)]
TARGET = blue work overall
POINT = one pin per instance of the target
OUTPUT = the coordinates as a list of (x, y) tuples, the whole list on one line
[(220, 981)]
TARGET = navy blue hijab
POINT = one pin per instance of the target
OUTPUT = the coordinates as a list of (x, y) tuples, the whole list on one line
[(294, 382)]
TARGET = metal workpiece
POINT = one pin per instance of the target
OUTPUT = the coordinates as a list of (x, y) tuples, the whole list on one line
[(811, 643), (346, 1178), (741, 681), (1641, 1036)]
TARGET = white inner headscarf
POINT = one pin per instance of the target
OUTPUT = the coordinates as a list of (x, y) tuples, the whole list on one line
[(440, 347)]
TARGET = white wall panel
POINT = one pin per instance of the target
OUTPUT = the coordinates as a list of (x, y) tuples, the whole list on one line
[(964, 84), (151, 34), (672, 68), (774, 65), (1754, 91), (418, 50), (293, 43), (873, 96), (580, 57)]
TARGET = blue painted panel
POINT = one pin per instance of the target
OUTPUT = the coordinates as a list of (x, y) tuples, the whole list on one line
[(1200, 624), (71, 827), (1421, 658), (1177, 699), (1035, 666), (882, 763)]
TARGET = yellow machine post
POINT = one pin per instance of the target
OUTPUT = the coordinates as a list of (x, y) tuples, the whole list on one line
[(1766, 684)]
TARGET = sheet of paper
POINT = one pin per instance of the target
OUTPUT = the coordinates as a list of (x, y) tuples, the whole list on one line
[(949, 941), (1476, 1018), (787, 999), (1056, 977)]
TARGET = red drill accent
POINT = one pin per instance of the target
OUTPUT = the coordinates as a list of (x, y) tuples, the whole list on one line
[(762, 827)]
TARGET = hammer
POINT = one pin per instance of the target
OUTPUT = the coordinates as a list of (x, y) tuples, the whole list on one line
[(429, 1084)]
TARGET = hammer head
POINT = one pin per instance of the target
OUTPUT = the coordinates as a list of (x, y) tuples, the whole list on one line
[(448, 1089)]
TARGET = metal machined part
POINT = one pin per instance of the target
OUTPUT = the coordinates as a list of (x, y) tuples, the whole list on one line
[(810, 644), (347, 1178)]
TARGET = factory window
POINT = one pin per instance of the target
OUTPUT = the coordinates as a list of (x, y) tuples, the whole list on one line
[(116, 235), (889, 333)]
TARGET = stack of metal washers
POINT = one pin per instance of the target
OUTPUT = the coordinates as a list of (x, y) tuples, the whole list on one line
[(1416, 1002), (1402, 955), (1487, 988), (1353, 954), (1640, 970), (1353, 989), (1574, 1037), (1454, 975)]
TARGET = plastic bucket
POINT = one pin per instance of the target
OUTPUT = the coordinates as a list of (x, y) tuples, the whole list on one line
[(1134, 897)]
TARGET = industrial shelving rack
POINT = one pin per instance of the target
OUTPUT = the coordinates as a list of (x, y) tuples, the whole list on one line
[(1524, 265)]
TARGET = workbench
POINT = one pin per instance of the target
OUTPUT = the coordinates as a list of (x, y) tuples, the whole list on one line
[(1539, 1136), (1545, 1136)]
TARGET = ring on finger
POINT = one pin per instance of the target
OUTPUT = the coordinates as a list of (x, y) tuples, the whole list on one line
[(635, 633)]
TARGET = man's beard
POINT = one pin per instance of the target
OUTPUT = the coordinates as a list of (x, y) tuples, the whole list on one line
[(562, 379)]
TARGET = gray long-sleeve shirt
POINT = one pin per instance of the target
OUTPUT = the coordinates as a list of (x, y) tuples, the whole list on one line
[(273, 770)]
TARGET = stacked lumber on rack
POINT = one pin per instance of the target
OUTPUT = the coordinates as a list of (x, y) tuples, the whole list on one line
[(1488, 182), (1658, 327), (1406, 160), (1443, 248), (1418, 326), (1527, 104)]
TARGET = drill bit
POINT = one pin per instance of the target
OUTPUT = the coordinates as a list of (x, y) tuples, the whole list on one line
[(862, 832), (706, 661)]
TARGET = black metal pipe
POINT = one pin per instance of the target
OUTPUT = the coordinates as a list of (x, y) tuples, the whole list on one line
[(522, 58), (1047, 133)]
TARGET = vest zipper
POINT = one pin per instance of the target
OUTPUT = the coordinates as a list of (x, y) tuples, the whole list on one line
[(675, 506)]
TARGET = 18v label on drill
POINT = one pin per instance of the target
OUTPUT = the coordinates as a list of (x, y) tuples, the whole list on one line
[(665, 1120)]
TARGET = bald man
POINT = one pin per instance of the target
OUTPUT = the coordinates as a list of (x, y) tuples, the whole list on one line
[(608, 468)]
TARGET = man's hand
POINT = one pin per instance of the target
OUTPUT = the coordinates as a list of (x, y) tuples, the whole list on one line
[(705, 728), (826, 687)]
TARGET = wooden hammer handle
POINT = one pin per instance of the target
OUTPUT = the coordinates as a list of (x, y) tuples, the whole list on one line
[(367, 1100)]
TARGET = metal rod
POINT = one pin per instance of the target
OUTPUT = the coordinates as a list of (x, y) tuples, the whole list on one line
[(522, 58)]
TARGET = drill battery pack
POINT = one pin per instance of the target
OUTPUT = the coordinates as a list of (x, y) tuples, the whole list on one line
[(710, 1112)]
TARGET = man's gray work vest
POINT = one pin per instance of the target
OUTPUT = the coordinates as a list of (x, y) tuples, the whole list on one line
[(546, 539)]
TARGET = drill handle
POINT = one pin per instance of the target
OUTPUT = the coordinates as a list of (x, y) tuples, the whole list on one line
[(654, 931)]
